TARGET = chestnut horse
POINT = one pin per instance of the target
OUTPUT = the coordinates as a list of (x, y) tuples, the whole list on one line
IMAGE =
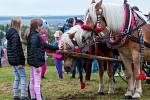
[(100, 49), (111, 17)]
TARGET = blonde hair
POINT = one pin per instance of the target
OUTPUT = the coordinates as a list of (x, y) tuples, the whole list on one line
[(16, 23), (25, 34)]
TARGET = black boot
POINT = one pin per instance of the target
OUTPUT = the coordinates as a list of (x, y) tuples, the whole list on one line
[(148, 81), (16, 98), (24, 98), (32, 99)]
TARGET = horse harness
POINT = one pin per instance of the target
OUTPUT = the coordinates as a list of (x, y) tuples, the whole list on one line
[(76, 47), (128, 30)]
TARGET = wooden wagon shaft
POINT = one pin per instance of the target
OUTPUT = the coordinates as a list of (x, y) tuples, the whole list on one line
[(87, 56)]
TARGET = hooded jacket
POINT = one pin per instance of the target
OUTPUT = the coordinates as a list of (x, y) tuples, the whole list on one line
[(14, 48), (36, 49)]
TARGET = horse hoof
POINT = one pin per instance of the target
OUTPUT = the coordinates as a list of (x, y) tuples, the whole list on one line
[(137, 94), (101, 93), (128, 97), (134, 98), (87, 79), (111, 92)]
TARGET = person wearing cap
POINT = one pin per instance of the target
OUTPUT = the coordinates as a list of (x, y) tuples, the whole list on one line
[(58, 57), (44, 30)]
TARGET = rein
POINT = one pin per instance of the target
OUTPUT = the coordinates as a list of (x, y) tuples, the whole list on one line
[(117, 35)]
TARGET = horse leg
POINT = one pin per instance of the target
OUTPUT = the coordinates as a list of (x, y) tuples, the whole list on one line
[(128, 66), (79, 66), (136, 62), (88, 70), (111, 81), (89, 65), (101, 79)]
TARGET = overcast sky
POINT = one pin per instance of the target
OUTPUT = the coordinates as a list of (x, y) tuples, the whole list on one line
[(57, 7)]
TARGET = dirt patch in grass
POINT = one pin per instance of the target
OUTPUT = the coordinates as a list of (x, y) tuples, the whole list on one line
[(77, 96), (5, 87)]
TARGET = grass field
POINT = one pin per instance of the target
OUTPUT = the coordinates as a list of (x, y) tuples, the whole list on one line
[(67, 89)]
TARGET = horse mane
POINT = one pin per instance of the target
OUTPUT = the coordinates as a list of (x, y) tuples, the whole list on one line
[(113, 14), (66, 41), (65, 37), (78, 34)]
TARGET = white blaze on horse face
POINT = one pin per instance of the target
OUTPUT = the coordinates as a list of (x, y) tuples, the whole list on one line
[(86, 35), (68, 45)]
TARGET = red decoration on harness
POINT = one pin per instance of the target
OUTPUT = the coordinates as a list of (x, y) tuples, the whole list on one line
[(82, 85), (116, 40), (99, 28), (77, 49), (142, 76), (87, 28)]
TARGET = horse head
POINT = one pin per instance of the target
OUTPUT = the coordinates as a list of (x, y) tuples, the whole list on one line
[(101, 19), (72, 39), (94, 22), (67, 46)]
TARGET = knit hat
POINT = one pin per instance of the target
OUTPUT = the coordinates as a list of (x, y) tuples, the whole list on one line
[(56, 34), (45, 24)]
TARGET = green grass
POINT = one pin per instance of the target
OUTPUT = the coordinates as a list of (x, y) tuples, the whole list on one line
[(67, 89)]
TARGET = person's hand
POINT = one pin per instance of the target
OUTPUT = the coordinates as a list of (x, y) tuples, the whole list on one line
[(20, 66), (38, 70), (61, 46)]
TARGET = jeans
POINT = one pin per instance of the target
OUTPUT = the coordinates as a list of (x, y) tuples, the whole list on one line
[(20, 77)]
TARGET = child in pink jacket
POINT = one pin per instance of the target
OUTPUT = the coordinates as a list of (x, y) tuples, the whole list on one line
[(44, 30)]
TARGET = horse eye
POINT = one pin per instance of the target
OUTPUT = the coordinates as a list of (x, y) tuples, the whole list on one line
[(83, 39)]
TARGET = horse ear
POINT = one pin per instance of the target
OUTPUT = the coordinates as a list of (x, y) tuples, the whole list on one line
[(93, 1), (71, 35), (98, 5)]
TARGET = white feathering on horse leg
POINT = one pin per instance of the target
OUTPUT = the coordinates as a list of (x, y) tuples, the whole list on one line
[(137, 94), (137, 86), (111, 86), (101, 84), (130, 89), (127, 63)]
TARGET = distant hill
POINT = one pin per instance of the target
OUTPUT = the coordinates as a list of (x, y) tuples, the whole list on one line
[(54, 21)]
